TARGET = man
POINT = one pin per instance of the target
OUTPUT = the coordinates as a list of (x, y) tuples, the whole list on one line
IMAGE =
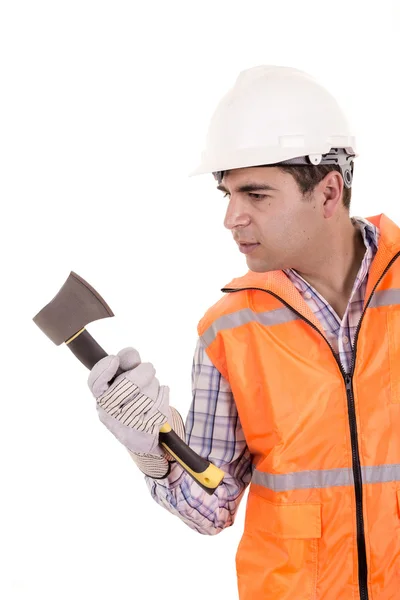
[(296, 385)]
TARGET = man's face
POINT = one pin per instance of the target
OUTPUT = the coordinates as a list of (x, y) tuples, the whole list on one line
[(266, 206)]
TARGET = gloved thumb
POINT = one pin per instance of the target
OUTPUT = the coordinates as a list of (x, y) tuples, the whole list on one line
[(129, 358), (101, 373)]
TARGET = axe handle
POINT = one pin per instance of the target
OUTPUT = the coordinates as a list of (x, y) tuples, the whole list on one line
[(207, 475)]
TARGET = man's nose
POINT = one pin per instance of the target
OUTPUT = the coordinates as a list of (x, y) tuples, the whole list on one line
[(236, 214)]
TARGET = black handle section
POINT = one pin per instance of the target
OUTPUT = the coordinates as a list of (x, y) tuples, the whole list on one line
[(88, 351)]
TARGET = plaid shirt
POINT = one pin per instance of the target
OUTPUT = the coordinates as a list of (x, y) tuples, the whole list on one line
[(213, 428)]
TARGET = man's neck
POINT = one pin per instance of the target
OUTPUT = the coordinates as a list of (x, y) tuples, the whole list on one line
[(339, 269)]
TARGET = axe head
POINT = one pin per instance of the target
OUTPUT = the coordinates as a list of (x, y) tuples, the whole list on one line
[(75, 305)]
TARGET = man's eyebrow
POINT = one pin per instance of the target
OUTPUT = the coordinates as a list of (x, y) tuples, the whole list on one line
[(249, 187)]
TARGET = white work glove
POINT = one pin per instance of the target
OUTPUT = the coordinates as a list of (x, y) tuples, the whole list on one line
[(134, 407)]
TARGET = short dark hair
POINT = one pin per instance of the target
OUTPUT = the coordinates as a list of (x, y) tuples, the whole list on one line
[(307, 177)]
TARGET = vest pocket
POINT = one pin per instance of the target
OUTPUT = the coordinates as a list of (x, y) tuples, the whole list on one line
[(278, 554)]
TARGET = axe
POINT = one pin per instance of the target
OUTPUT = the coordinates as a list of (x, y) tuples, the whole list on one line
[(64, 320)]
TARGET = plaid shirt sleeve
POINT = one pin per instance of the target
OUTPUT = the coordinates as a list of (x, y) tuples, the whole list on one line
[(213, 430)]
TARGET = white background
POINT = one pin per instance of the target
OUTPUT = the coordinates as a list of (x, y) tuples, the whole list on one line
[(104, 110)]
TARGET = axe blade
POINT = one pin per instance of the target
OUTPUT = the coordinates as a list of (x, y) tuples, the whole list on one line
[(72, 308)]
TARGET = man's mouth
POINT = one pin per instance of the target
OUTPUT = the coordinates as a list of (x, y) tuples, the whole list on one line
[(246, 248)]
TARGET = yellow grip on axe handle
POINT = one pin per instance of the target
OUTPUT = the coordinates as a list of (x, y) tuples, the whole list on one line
[(207, 475)]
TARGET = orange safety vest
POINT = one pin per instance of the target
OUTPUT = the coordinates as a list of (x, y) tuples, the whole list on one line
[(322, 517)]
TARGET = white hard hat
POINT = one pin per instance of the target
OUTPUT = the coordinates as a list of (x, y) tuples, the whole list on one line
[(274, 115)]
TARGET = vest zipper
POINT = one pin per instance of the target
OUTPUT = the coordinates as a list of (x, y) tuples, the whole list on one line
[(348, 379), (361, 550)]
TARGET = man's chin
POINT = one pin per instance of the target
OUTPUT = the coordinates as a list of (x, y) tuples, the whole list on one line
[(259, 268)]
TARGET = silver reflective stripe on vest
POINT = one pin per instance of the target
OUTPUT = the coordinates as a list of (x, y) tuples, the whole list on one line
[(246, 315), (324, 478), (385, 298), (303, 479), (381, 474), (282, 315)]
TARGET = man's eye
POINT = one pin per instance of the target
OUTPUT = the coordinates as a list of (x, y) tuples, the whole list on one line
[(254, 196), (258, 196)]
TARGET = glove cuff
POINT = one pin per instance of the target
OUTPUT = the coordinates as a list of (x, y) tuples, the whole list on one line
[(158, 466)]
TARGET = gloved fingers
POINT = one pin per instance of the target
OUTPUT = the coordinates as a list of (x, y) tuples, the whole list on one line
[(151, 422), (105, 369), (134, 440), (162, 402), (101, 373), (125, 401), (134, 408), (143, 375), (129, 358), (145, 411)]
